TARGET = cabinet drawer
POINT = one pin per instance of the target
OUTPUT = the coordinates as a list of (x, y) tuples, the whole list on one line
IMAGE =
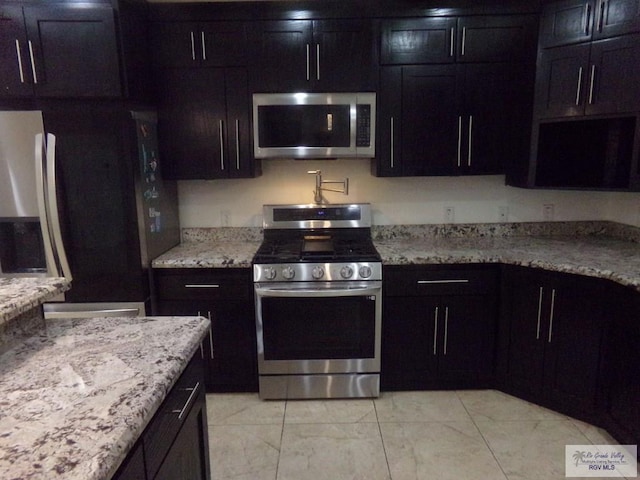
[(208, 285), (161, 432), (426, 280)]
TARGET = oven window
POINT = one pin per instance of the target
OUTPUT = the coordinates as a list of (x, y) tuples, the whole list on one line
[(318, 328)]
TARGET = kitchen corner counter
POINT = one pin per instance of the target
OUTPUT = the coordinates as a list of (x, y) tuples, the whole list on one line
[(76, 396), (21, 294)]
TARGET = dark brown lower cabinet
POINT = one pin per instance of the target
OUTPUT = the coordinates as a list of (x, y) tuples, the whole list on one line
[(555, 326), (438, 327), (175, 444)]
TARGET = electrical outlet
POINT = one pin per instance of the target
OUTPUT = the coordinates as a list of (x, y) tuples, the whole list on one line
[(503, 213), (449, 214), (548, 212), (225, 218)]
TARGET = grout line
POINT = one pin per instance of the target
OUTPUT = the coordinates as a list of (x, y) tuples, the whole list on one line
[(384, 449), (284, 414), (482, 435)]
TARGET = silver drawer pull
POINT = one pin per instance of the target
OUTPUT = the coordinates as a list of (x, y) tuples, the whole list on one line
[(436, 282), (184, 408), (202, 285)]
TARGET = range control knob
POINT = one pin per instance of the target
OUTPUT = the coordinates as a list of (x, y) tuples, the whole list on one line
[(365, 271), (317, 273), (346, 271), (269, 273), (288, 273)]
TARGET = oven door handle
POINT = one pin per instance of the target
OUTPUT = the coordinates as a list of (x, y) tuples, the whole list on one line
[(318, 292)]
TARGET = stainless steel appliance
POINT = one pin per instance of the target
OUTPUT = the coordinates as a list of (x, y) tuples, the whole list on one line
[(314, 125), (88, 201), (318, 299)]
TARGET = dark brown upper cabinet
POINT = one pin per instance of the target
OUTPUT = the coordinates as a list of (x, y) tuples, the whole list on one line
[(318, 55), (61, 50), (574, 21), (200, 44), (497, 38)]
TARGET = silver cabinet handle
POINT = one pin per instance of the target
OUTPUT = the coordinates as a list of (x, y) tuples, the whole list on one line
[(579, 87), (602, 10), (33, 62), (308, 67), (446, 329), (539, 313), (220, 130), (19, 61), (194, 391), (432, 282), (201, 347), (551, 313), (464, 41), (459, 138), (435, 331), (204, 46), (470, 145), (237, 144), (201, 285), (210, 335), (193, 46), (587, 18), (317, 61), (591, 82), (452, 40), (392, 144)]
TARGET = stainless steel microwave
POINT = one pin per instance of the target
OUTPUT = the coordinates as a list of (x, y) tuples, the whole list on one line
[(314, 125)]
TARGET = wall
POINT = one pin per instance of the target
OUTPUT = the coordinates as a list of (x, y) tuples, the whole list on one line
[(239, 203)]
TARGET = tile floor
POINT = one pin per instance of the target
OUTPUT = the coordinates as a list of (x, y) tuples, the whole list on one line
[(440, 435)]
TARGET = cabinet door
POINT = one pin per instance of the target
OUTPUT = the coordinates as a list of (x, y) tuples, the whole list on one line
[(617, 17), (239, 161), (344, 56), (15, 75), (526, 303), (191, 119), (389, 124), (431, 126), (573, 343), (507, 38), (176, 44), (496, 114), (424, 40), (409, 348), (614, 71), (283, 57), (562, 81), (75, 50), (466, 337), (568, 21), (224, 44)]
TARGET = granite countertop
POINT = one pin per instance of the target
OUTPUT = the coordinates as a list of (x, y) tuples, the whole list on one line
[(593, 248), (75, 396), (21, 294)]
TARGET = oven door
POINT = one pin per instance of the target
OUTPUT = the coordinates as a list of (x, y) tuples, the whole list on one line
[(318, 328)]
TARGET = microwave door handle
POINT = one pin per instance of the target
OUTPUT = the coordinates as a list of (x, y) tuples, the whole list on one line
[(52, 267), (52, 202)]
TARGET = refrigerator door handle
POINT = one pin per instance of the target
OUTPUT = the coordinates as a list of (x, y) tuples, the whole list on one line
[(52, 205), (52, 265)]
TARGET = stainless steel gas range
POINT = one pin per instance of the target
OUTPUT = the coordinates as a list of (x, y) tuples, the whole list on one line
[(318, 299)]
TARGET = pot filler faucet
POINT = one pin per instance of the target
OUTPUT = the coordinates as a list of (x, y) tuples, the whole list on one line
[(317, 193)]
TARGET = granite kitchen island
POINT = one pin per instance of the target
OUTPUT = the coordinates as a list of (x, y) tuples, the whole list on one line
[(75, 395)]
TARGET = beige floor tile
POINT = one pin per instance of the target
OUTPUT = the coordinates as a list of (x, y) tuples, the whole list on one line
[(443, 451), (431, 406), (330, 411), (531, 450), (243, 409), (495, 405), (244, 452), (332, 452), (596, 435)]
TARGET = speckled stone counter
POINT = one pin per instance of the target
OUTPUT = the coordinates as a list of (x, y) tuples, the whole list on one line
[(19, 295), (593, 248), (75, 397)]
